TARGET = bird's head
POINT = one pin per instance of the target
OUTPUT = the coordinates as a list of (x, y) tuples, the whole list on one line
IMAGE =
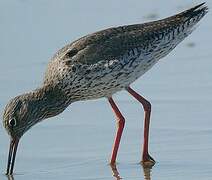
[(15, 117), (16, 123), (24, 111)]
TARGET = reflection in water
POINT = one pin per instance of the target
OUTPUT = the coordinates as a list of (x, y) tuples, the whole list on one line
[(146, 172), (115, 172), (10, 177)]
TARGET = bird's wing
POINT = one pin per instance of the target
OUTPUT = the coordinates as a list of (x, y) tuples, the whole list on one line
[(115, 42)]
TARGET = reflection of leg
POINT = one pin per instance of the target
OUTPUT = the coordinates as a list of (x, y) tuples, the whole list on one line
[(147, 173), (120, 127), (115, 172), (10, 177), (147, 160)]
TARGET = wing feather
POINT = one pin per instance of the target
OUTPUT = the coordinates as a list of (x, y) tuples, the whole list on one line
[(114, 42)]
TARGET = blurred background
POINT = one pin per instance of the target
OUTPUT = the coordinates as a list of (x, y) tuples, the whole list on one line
[(77, 143)]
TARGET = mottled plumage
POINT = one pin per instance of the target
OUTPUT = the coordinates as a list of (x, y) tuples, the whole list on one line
[(102, 63), (98, 65)]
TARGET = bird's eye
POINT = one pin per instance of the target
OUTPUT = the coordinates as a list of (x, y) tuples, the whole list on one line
[(12, 122)]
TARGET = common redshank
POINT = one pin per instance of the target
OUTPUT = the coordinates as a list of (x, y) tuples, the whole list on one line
[(99, 65)]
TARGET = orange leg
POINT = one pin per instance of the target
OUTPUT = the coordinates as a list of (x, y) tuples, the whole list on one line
[(147, 160), (120, 127)]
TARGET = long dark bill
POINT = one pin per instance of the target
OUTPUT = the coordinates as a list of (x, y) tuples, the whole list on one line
[(11, 157)]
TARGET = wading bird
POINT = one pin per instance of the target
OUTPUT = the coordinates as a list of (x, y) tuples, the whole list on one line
[(99, 65)]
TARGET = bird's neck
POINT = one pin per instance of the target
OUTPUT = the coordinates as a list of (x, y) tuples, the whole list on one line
[(46, 102)]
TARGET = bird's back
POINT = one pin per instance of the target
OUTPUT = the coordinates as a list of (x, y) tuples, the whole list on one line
[(121, 54)]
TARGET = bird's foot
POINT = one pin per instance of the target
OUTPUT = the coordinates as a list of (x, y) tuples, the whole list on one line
[(148, 161)]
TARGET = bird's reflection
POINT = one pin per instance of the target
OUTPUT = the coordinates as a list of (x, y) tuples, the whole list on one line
[(117, 176), (147, 172), (10, 177), (115, 172)]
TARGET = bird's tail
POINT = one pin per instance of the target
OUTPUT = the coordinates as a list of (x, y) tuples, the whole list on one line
[(193, 14), (186, 20)]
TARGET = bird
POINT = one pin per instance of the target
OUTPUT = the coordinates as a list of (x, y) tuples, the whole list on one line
[(99, 65)]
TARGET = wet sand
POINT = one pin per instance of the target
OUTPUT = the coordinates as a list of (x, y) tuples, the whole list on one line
[(77, 144)]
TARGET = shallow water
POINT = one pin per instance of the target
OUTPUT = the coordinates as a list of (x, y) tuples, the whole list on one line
[(77, 143)]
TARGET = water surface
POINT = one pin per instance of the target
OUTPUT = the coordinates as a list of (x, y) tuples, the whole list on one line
[(77, 144)]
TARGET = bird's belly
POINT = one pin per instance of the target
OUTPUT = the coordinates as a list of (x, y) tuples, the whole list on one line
[(106, 78)]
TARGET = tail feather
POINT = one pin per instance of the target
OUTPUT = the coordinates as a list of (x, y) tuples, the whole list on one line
[(184, 23), (199, 10), (174, 29), (190, 16), (185, 20)]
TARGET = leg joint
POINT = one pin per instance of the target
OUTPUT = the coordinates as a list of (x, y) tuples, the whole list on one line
[(121, 121), (147, 106)]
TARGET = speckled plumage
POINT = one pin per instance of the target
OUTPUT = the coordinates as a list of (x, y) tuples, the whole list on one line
[(100, 64)]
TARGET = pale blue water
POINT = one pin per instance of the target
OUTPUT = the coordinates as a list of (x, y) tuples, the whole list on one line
[(77, 144)]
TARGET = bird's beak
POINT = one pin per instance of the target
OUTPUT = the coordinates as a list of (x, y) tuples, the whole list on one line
[(11, 155)]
